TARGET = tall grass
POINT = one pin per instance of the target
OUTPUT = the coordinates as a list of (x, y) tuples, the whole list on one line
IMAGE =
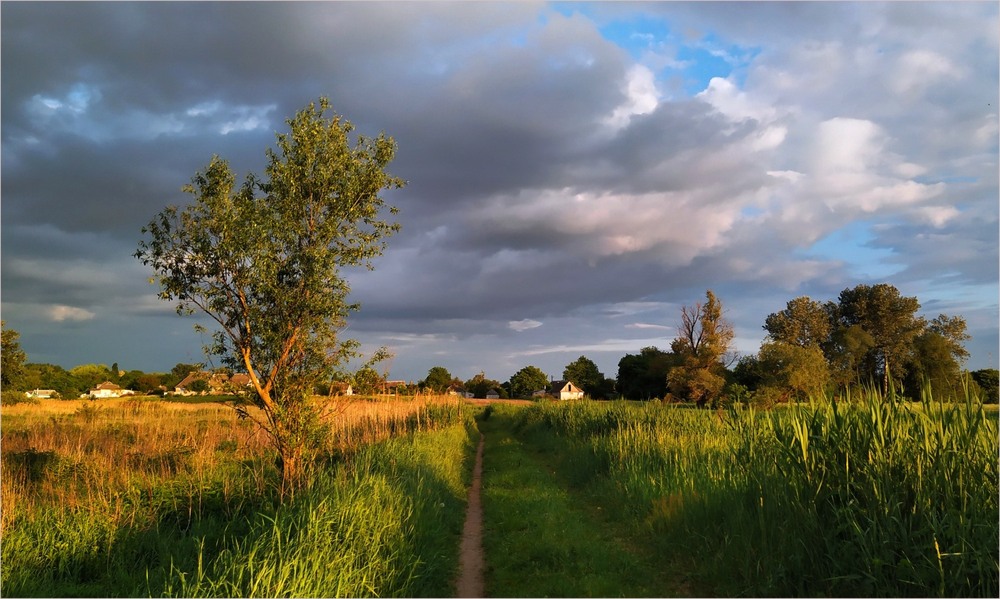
[(135, 498), (865, 497)]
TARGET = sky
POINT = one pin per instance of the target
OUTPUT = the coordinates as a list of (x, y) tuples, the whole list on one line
[(576, 172)]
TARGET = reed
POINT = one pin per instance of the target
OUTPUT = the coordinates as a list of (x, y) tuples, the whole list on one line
[(864, 496)]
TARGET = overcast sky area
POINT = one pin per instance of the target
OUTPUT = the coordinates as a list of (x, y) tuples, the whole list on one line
[(576, 172)]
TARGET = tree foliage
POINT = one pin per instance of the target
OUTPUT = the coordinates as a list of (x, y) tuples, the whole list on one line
[(703, 340), (892, 322), (12, 359), (438, 379), (803, 322), (479, 386), (796, 371), (583, 372), (526, 381), (263, 259), (644, 376)]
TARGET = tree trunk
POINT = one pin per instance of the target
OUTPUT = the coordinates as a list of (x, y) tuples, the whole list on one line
[(292, 472)]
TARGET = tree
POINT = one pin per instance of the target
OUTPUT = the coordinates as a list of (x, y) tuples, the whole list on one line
[(702, 342), (367, 381), (846, 352), (263, 260), (480, 386), (892, 322), (933, 364), (988, 380), (438, 379), (583, 372), (526, 381), (803, 322), (797, 372), (952, 330), (12, 359), (644, 376)]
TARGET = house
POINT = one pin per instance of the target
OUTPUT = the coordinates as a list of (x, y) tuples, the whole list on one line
[(108, 389), (493, 394), (565, 390), (460, 391), (42, 393), (341, 389), (218, 383)]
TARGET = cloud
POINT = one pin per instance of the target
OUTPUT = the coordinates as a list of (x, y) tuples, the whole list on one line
[(523, 325), (60, 313), (557, 173)]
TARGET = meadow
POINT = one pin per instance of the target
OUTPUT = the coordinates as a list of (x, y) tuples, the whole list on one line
[(867, 496), (154, 498), (863, 496)]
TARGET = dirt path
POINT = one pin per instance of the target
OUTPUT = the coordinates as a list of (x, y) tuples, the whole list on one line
[(471, 561)]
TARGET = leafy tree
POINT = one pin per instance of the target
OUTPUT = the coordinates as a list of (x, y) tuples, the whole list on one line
[(88, 376), (147, 383), (179, 372), (798, 372), (892, 322), (526, 381), (644, 376), (748, 373), (52, 376), (952, 330), (263, 260), (803, 322), (12, 359), (438, 379), (703, 340), (988, 380), (199, 386), (933, 363), (480, 386), (583, 372), (846, 352), (367, 381)]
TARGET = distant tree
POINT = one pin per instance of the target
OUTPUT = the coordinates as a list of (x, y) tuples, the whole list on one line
[(367, 381), (892, 322), (88, 376), (147, 383), (703, 340), (933, 363), (583, 372), (12, 359), (480, 386), (438, 379), (199, 386), (803, 322), (526, 381), (846, 353), (952, 330), (179, 372), (797, 372), (748, 373), (263, 260), (51, 376), (644, 376), (988, 380)]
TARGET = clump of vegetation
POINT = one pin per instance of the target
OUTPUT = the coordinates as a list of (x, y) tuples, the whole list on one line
[(866, 497)]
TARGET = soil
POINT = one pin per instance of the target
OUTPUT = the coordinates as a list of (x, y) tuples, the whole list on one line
[(471, 561)]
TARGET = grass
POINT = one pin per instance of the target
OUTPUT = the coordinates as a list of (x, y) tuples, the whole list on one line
[(872, 497), (545, 538), (156, 498)]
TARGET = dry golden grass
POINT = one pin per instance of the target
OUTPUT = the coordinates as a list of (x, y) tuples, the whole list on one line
[(85, 453)]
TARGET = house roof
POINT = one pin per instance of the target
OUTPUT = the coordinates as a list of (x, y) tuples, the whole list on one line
[(107, 386)]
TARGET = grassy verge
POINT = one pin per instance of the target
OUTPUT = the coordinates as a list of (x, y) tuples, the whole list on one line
[(544, 538), (157, 501)]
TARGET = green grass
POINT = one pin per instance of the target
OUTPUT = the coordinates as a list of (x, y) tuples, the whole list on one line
[(384, 519), (543, 538), (869, 498)]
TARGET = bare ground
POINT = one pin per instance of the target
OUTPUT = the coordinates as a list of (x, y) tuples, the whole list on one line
[(471, 561)]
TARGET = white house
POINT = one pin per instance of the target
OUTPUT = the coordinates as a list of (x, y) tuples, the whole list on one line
[(108, 389), (565, 390), (493, 394), (42, 393)]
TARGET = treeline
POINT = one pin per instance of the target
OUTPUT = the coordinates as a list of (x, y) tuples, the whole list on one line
[(870, 336), (72, 383)]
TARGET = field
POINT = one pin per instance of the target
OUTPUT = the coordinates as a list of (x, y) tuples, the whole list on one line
[(865, 497)]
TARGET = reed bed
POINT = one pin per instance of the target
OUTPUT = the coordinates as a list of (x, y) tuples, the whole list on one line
[(135, 497), (867, 496)]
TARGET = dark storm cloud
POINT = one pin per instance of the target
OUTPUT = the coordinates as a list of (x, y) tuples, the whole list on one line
[(553, 177)]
